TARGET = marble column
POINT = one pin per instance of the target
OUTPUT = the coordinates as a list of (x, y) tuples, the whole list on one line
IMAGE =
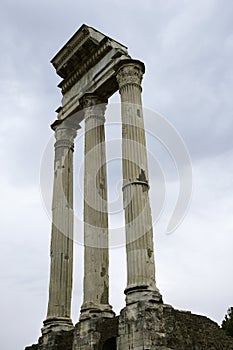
[(96, 259), (138, 221), (61, 266)]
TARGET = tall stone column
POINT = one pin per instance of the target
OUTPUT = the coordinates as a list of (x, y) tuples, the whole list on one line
[(138, 221), (96, 260), (61, 266)]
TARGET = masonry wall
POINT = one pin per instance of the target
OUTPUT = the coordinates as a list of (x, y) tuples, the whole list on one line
[(168, 329), (55, 341), (186, 331)]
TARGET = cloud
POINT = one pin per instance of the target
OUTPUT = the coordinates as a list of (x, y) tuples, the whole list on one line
[(192, 262), (190, 61)]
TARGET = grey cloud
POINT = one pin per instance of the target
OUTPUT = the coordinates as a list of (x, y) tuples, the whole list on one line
[(192, 78)]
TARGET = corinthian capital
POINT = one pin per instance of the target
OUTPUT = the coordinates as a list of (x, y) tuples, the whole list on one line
[(65, 132), (93, 106), (130, 72)]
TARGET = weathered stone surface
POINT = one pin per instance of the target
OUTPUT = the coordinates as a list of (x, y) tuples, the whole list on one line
[(141, 326), (87, 65), (147, 325), (138, 221), (32, 347), (96, 260), (54, 341), (96, 334), (61, 250), (189, 331)]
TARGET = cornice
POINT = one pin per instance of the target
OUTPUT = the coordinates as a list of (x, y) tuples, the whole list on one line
[(66, 84), (69, 49)]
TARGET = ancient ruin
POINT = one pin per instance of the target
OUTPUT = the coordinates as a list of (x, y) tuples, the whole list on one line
[(93, 67)]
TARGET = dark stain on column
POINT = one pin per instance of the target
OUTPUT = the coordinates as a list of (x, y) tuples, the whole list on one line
[(142, 177), (61, 274), (149, 252), (103, 272), (104, 296), (129, 210)]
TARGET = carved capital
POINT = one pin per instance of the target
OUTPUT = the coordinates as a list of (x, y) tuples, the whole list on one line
[(90, 100), (93, 106), (65, 134), (130, 73)]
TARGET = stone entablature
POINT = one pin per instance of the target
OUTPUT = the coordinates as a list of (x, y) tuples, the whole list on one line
[(86, 64)]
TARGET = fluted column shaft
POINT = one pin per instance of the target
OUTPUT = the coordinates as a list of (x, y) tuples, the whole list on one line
[(96, 260), (138, 220), (61, 266)]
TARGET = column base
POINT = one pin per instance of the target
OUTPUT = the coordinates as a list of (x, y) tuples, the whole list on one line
[(91, 310), (57, 324), (138, 293)]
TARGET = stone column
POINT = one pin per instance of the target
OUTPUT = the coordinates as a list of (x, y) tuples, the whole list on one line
[(96, 261), (138, 221), (61, 267)]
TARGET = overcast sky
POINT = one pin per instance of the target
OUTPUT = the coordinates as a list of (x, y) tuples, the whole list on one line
[(187, 47)]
